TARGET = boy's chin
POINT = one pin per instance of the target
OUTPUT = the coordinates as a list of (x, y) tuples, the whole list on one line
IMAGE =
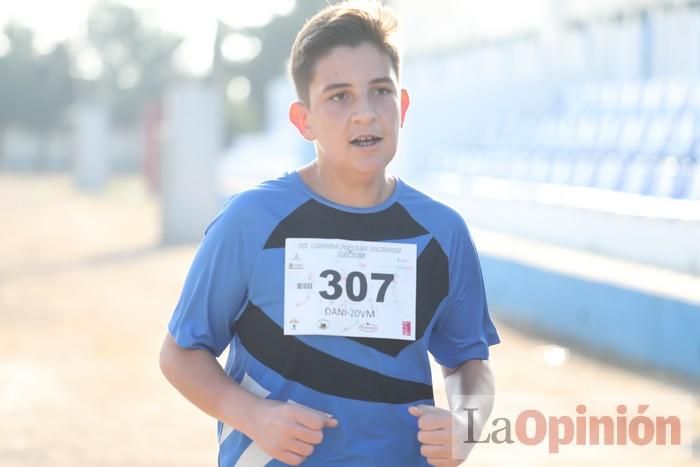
[(372, 167)]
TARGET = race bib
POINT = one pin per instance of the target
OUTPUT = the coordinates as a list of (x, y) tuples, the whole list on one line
[(350, 288)]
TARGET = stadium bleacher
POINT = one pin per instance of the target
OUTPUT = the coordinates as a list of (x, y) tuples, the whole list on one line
[(615, 107), (636, 137)]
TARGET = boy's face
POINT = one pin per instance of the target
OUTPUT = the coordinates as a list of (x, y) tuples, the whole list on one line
[(354, 112)]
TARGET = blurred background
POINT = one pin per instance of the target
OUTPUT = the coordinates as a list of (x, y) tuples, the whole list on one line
[(566, 132)]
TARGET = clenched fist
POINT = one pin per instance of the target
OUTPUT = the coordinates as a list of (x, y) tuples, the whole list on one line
[(437, 435), (288, 432)]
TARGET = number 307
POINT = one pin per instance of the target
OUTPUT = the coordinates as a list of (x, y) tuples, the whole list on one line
[(355, 285)]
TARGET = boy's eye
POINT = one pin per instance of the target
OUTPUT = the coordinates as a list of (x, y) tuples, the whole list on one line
[(341, 96), (383, 91)]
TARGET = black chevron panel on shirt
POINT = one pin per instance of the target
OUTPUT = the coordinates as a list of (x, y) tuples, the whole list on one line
[(315, 220), (266, 341), (431, 288)]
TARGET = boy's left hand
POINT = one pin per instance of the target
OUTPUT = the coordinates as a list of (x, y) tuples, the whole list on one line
[(435, 426)]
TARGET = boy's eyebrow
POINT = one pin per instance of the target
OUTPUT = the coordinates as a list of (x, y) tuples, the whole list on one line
[(385, 80), (334, 86)]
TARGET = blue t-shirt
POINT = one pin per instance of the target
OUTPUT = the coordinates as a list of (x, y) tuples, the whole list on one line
[(233, 295)]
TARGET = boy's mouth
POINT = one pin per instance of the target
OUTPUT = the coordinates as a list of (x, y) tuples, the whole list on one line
[(365, 141)]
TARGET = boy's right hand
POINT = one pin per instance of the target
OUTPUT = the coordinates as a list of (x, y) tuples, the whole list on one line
[(288, 431)]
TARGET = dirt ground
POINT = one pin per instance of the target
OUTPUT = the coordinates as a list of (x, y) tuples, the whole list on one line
[(85, 295)]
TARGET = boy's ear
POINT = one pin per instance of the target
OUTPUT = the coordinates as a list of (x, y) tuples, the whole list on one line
[(405, 101), (299, 116)]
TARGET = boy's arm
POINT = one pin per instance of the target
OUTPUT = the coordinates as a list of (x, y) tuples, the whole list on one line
[(469, 386), (287, 432), (198, 376), (473, 381)]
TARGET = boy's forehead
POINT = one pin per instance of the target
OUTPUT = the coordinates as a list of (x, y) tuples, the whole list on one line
[(352, 65)]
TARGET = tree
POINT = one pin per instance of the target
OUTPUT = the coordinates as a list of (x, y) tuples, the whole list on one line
[(35, 89), (53, 96), (276, 38), (16, 76), (136, 60)]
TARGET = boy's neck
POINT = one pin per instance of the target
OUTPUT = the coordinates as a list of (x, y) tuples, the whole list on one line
[(358, 193)]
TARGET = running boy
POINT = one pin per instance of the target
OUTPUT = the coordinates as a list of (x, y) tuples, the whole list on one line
[(332, 283)]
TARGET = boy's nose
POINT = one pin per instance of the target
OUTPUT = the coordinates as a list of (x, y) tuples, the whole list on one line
[(364, 112)]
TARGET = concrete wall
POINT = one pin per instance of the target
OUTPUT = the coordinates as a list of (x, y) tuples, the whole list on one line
[(624, 324)]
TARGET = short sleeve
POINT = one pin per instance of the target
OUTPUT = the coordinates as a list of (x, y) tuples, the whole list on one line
[(215, 288), (464, 330)]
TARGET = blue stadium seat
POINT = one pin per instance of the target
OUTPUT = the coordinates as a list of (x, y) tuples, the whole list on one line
[(687, 179), (692, 190), (640, 165), (677, 97), (610, 171), (517, 140), (631, 97), (653, 95), (610, 98), (584, 146), (681, 155), (562, 159), (607, 137)]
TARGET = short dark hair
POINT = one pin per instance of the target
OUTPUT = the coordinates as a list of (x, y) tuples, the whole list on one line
[(349, 23)]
